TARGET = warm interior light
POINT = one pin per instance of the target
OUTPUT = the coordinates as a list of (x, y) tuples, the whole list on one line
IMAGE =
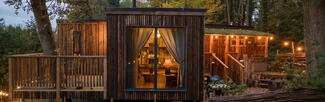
[(271, 38), (168, 63), (158, 34), (18, 87), (259, 38), (299, 48), (246, 37), (232, 36), (216, 36), (286, 43)]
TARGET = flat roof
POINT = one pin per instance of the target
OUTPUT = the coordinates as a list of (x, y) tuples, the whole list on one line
[(157, 11), (236, 32)]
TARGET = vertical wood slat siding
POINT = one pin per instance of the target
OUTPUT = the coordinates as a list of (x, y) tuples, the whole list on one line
[(93, 38), (117, 54)]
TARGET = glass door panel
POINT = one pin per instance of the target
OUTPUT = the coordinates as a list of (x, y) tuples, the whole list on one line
[(155, 68), (140, 72)]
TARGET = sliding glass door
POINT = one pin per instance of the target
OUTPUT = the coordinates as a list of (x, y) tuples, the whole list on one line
[(154, 58)]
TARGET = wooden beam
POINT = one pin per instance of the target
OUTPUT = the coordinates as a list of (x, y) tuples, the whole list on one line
[(211, 43), (266, 53), (58, 81), (10, 79), (105, 78), (237, 47), (226, 49)]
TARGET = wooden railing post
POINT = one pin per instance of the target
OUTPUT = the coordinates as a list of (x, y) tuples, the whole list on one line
[(105, 77), (10, 80), (58, 81)]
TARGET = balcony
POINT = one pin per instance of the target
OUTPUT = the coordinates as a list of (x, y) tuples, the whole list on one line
[(43, 76)]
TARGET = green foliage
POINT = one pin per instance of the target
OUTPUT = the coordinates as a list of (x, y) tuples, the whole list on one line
[(304, 80), (215, 13), (275, 66), (15, 40), (284, 18)]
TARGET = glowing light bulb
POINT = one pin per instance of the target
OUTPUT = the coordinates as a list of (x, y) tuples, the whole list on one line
[(259, 38), (246, 37), (299, 48), (158, 35), (216, 37), (232, 36), (286, 43), (271, 38)]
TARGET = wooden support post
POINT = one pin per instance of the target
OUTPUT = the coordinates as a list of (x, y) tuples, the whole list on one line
[(237, 47), (105, 78), (241, 75), (266, 53), (10, 80), (58, 81), (211, 44), (226, 49)]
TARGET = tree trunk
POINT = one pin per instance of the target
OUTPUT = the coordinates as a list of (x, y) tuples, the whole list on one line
[(314, 31), (296, 95), (44, 28), (249, 10)]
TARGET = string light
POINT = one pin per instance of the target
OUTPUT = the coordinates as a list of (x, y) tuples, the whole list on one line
[(286, 43), (299, 48)]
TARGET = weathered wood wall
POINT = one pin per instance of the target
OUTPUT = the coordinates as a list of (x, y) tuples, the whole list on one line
[(117, 64), (82, 38)]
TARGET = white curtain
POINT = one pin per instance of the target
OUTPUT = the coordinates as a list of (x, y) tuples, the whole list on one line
[(174, 38), (136, 40)]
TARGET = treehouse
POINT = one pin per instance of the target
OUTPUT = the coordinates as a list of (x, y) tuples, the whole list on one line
[(138, 54)]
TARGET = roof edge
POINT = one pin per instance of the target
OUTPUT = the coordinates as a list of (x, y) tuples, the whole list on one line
[(158, 9)]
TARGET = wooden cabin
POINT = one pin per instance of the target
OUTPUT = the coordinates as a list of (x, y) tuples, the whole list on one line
[(155, 54), (137, 54), (235, 52)]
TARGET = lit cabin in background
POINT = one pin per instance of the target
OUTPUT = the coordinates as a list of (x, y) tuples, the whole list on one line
[(232, 51)]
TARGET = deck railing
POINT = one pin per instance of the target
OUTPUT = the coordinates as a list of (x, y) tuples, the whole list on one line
[(236, 69), (37, 71), (216, 66), (222, 68)]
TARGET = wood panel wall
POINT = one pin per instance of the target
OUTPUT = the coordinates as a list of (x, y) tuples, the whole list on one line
[(82, 38), (256, 47), (117, 64)]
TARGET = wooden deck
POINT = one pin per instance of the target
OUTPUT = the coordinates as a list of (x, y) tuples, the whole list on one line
[(37, 76)]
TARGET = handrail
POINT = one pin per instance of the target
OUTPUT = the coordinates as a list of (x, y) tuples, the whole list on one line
[(236, 60), (39, 55), (215, 57)]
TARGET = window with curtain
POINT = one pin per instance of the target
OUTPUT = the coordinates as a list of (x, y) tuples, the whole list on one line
[(155, 58)]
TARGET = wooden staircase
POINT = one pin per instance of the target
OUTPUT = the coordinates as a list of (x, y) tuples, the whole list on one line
[(231, 69)]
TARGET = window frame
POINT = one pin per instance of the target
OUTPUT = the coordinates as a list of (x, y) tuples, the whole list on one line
[(155, 68)]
